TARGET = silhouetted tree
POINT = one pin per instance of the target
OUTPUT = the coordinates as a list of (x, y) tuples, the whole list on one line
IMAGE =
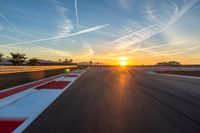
[(17, 58), (66, 60), (90, 63), (1, 55), (33, 61), (70, 61)]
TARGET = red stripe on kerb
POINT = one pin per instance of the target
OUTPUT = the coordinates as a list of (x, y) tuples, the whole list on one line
[(22, 88), (7, 126), (54, 85), (72, 75)]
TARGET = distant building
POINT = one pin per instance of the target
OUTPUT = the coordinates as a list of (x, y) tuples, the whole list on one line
[(170, 63), (5, 62), (174, 63), (162, 63)]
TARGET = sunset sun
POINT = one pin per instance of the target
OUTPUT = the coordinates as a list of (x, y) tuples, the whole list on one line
[(123, 61)]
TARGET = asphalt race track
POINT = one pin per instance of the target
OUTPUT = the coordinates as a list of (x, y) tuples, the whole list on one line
[(109, 100)]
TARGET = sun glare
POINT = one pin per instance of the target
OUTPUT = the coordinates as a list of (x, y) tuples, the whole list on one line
[(123, 58), (123, 61)]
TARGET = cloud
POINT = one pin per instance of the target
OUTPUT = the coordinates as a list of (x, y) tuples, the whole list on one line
[(176, 51), (1, 27), (9, 22), (126, 4), (9, 37), (64, 24), (50, 51), (91, 29), (84, 52), (13, 38), (64, 36), (132, 38), (165, 18), (44, 52), (88, 50), (169, 14), (125, 44), (14, 28), (158, 50), (164, 45), (157, 21)]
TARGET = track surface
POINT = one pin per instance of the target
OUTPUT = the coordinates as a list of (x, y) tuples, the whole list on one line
[(111, 101)]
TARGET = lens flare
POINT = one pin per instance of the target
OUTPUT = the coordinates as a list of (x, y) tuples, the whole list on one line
[(123, 63), (123, 58), (67, 71)]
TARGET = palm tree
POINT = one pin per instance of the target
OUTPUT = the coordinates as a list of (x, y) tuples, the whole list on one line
[(90, 63), (33, 61), (1, 55), (17, 58), (66, 60), (70, 61)]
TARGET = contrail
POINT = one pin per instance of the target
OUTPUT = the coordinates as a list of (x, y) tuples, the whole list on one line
[(13, 38), (164, 45), (76, 8), (7, 21), (68, 35), (14, 28), (129, 35)]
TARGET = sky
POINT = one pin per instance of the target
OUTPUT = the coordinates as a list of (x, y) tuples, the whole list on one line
[(144, 31)]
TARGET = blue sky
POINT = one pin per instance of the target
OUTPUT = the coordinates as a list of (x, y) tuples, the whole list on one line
[(145, 31)]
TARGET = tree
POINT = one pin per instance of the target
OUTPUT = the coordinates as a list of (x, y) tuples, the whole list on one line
[(90, 63), (70, 61), (17, 58), (33, 61), (1, 55), (66, 60)]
